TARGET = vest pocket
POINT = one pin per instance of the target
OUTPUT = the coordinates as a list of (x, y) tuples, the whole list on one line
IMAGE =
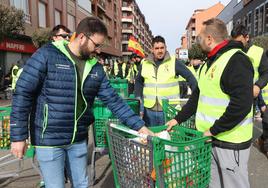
[(45, 118)]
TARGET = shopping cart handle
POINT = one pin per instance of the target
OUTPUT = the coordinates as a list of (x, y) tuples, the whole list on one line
[(128, 130)]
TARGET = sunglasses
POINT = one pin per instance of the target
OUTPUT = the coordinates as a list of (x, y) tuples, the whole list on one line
[(97, 46), (63, 35)]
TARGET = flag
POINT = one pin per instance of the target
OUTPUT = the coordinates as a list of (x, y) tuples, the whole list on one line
[(134, 46)]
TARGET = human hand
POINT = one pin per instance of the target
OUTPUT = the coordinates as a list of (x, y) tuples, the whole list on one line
[(146, 131), (256, 91), (171, 124), (207, 133), (18, 149)]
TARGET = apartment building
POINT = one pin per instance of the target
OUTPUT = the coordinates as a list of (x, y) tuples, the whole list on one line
[(134, 24), (254, 15), (195, 22), (39, 14)]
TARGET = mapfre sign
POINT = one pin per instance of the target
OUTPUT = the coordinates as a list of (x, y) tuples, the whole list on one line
[(17, 46)]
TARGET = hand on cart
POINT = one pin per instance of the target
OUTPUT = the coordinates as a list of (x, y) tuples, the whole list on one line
[(171, 124), (146, 131), (18, 149)]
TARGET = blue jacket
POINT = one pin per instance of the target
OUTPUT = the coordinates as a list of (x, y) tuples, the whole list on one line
[(46, 91)]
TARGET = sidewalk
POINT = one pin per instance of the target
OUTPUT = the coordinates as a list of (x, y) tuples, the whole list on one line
[(29, 178)]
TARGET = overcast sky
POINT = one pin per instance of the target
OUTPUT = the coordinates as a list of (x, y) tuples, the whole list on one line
[(168, 18)]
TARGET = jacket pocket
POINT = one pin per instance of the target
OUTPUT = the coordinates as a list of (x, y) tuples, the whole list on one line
[(45, 119)]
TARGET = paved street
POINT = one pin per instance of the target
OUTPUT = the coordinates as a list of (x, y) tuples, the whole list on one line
[(28, 178)]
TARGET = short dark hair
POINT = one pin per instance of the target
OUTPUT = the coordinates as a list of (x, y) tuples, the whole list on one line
[(216, 28), (57, 28), (157, 39), (239, 30), (90, 26)]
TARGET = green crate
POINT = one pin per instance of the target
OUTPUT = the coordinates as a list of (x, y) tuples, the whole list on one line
[(121, 86), (184, 161), (103, 115), (100, 111), (171, 108), (5, 127)]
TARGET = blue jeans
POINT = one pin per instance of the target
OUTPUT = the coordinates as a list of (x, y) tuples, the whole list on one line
[(153, 118), (52, 162)]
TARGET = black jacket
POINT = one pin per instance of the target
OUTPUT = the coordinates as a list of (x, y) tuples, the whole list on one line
[(263, 67), (236, 82)]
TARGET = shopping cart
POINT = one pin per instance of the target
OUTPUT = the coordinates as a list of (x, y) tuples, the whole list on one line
[(121, 86), (172, 106), (182, 162), (102, 115), (9, 165)]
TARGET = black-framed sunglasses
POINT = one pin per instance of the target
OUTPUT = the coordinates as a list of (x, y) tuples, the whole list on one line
[(63, 35), (97, 46)]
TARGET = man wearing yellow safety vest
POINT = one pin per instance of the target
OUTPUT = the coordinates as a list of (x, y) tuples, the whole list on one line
[(223, 106), (259, 61), (15, 73), (131, 73), (157, 79)]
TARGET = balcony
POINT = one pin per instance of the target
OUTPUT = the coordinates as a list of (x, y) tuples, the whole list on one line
[(102, 5), (127, 30), (129, 9), (128, 19)]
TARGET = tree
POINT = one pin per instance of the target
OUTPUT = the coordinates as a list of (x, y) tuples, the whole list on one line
[(195, 52), (11, 21), (41, 37), (261, 41)]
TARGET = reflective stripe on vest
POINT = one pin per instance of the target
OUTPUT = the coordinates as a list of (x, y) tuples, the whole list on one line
[(162, 84), (212, 103), (255, 55)]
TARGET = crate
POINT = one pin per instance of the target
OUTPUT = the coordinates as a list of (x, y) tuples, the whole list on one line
[(183, 161), (5, 127), (102, 115), (121, 86), (171, 108)]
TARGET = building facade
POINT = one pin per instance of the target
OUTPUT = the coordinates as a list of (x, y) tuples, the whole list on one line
[(134, 24), (254, 15), (109, 12), (195, 22), (226, 15), (39, 14)]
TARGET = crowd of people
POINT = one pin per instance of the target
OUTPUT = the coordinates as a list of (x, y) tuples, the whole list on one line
[(59, 83)]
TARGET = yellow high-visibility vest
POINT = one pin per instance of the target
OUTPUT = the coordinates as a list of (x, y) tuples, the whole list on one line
[(162, 84), (213, 102), (255, 54)]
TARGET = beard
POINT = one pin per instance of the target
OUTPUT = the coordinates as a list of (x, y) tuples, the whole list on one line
[(84, 52), (204, 48)]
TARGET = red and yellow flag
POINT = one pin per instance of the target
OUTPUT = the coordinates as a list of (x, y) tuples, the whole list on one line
[(134, 46)]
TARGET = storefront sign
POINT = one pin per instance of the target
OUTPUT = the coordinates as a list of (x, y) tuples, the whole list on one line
[(17, 46)]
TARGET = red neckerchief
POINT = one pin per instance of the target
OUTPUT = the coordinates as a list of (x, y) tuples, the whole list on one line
[(217, 48)]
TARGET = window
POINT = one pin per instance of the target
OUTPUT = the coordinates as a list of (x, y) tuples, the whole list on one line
[(85, 4), (261, 20), (266, 17), (71, 22), (249, 21), (57, 17), (124, 47), (42, 14), (125, 4), (256, 22), (21, 4)]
